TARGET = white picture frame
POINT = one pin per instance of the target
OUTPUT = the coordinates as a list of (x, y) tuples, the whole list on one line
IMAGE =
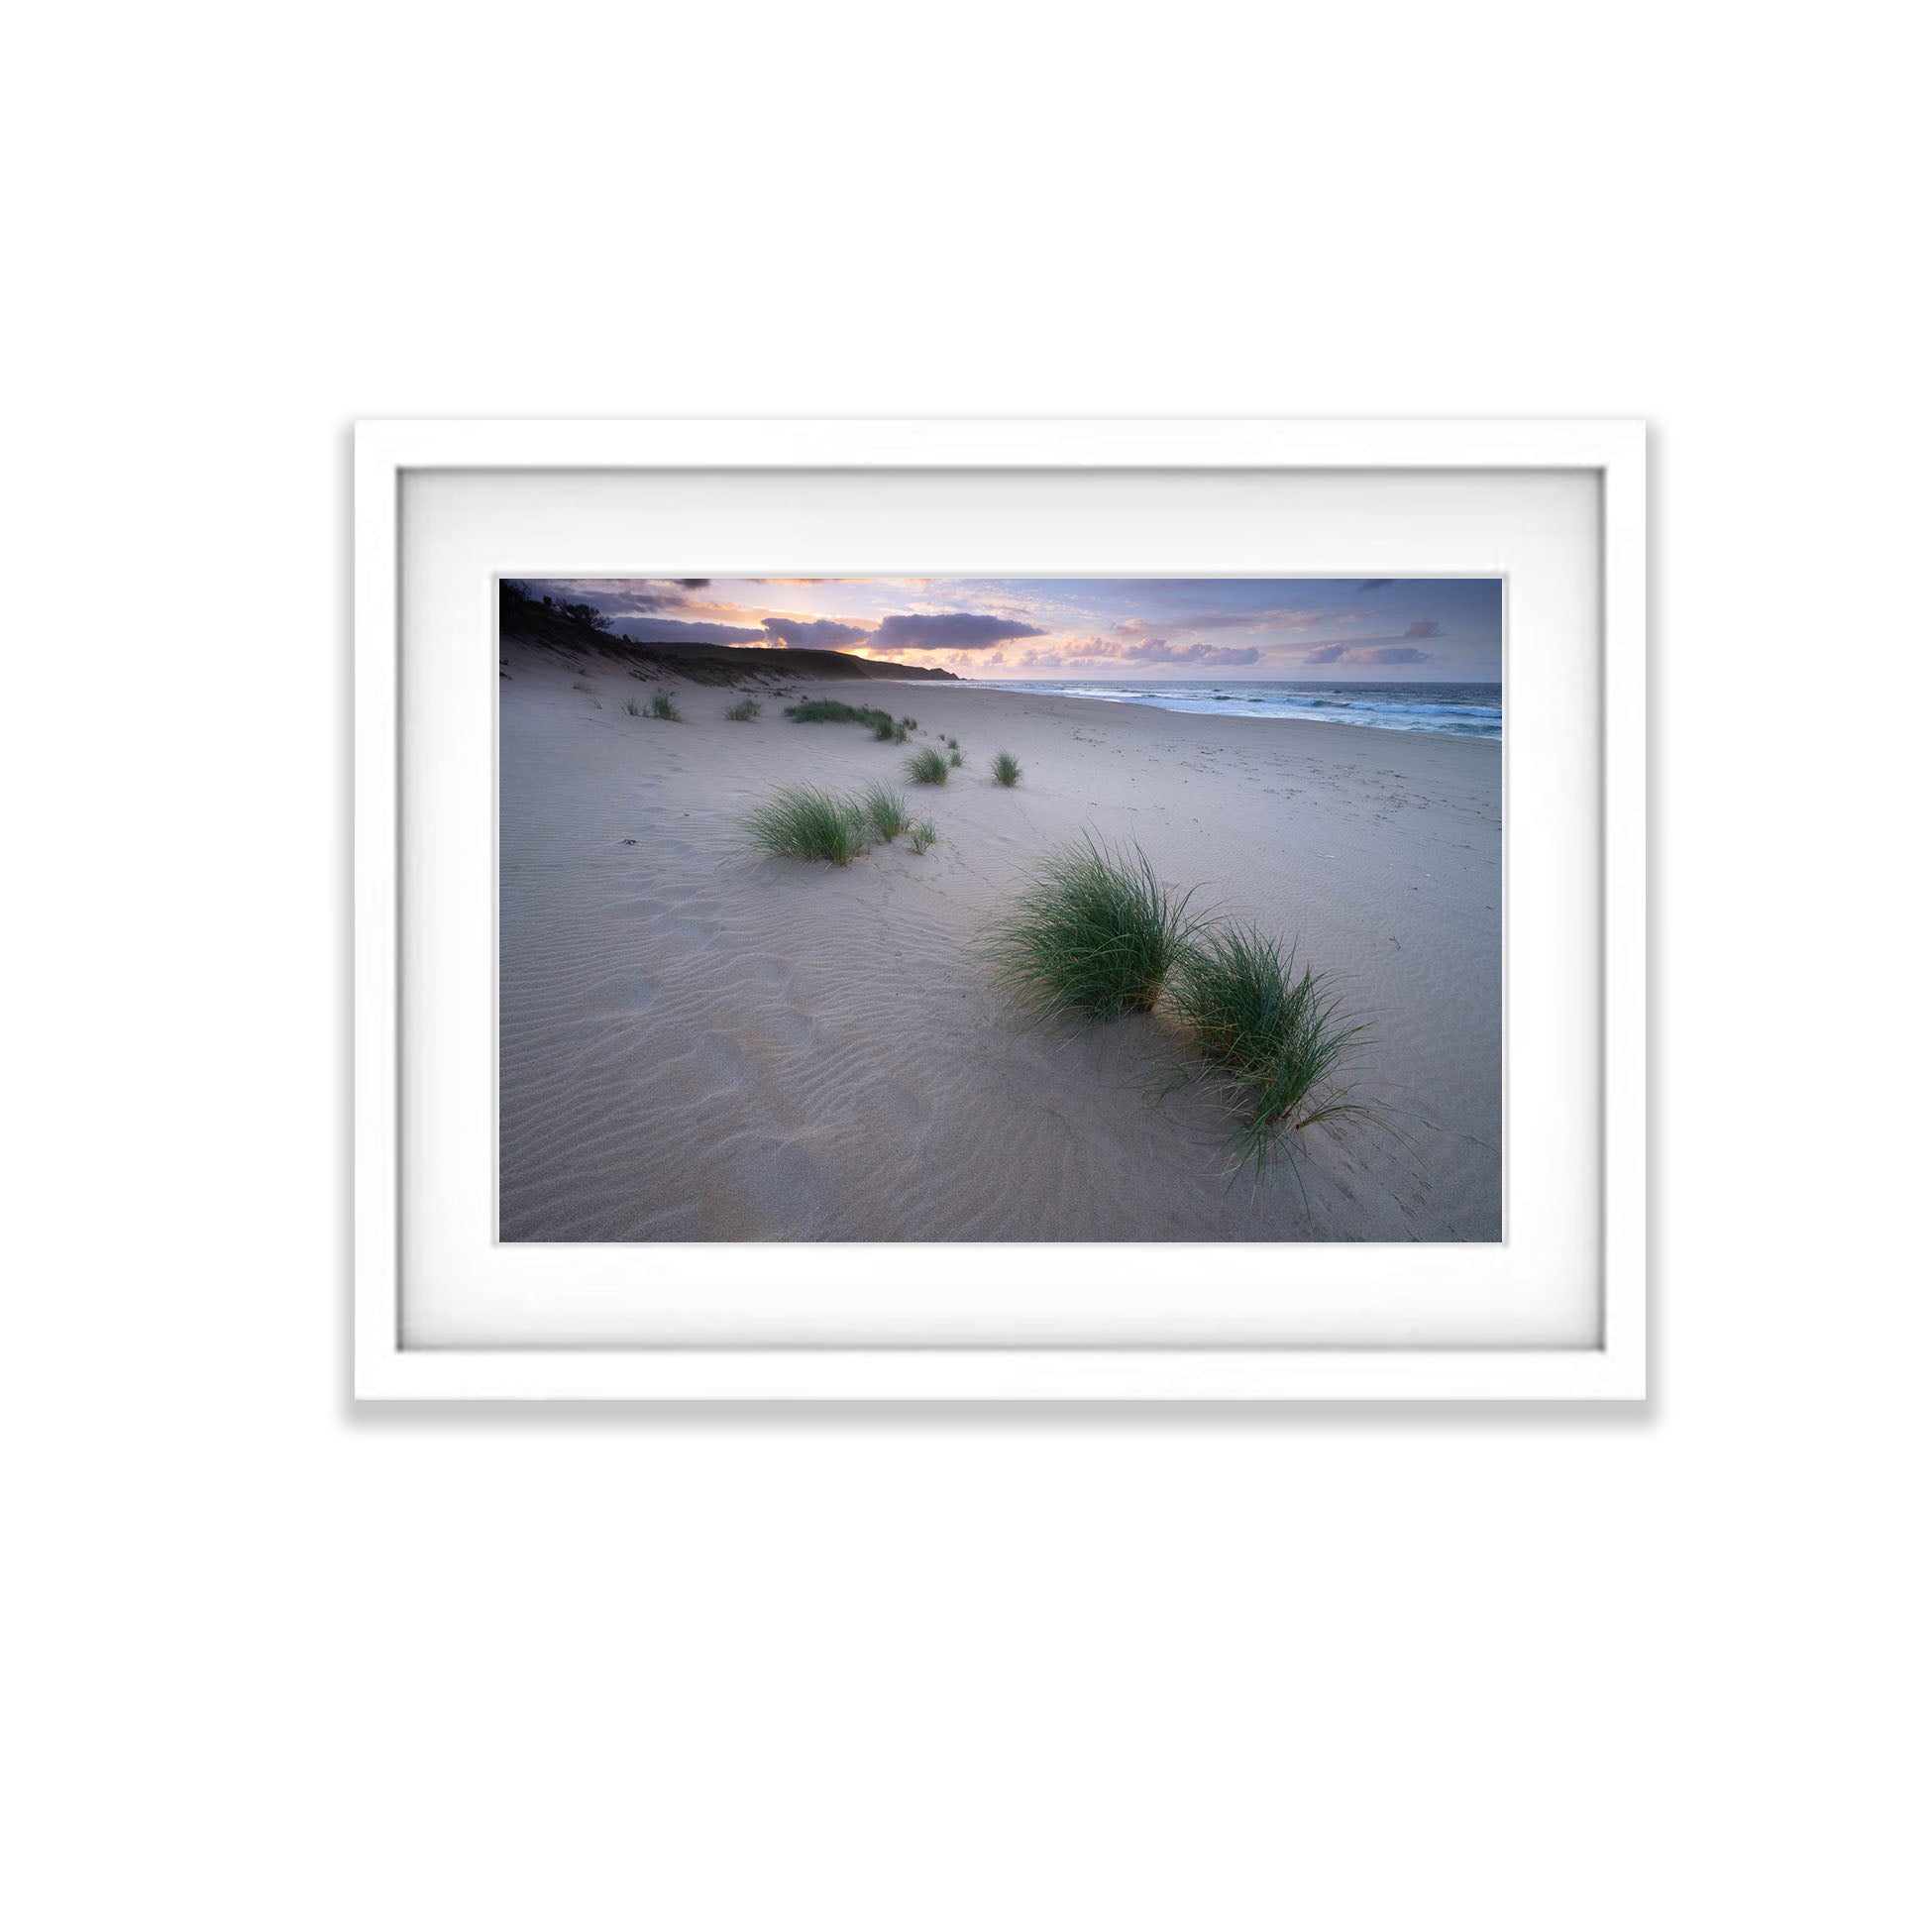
[(388, 1367)]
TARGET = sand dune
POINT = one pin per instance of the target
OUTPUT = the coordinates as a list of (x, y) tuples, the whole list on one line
[(700, 1045)]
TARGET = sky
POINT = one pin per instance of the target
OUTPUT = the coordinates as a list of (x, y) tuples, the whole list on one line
[(1229, 629)]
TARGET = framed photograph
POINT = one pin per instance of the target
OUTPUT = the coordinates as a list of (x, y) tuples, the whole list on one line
[(999, 911)]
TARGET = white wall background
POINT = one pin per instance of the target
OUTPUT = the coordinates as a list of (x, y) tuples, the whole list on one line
[(277, 1664)]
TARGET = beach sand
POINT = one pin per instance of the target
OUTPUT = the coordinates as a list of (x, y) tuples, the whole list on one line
[(698, 1045)]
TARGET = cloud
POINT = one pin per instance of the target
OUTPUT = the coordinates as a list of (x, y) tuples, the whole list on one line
[(886, 582), (1224, 620), (680, 630), (1391, 653), (619, 597), (948, 631), (1380, 650), (814, 633), (1153, 649), (1157, 650)]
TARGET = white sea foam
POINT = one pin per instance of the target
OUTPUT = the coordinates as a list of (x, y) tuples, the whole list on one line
[(1458, 710)]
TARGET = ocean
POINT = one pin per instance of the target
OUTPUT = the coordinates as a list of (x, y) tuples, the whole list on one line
[(1448, 710)]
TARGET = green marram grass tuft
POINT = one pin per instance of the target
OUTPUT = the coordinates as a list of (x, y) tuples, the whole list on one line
[(664, 705), (745, 710), (926, 766), (924, 833), (1092, 935), (833, 711), (801, 822), (1006, 768), (886, 813), (1273, 1039)]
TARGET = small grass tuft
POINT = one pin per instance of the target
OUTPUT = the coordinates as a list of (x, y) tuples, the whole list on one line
[(664, 705), (1274, 1040), (1092, 935), (923, 835), (635, 708), (955, 759), (926, 766), (1006, 768), (745, 710), (885, 812), (801, 822), (953, 744)]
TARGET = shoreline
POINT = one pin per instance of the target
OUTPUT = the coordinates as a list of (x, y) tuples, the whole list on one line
[(1116, 707), (1047, 692), (1242, 704), (697, 1044)]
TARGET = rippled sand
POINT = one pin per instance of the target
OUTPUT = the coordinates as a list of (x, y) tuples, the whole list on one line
[(698, 1045)]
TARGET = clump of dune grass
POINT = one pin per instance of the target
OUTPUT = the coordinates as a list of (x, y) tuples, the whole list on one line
[(886, 813), (900, 733), (1006, 768), (801, 822), (955, 759), (953, 744), (664, 705), (1276, 1041), (1092, 935), (926, 766), (923, 835), (833, 711), (636, 709), (745, 710), (883, 728), (910, 723)]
